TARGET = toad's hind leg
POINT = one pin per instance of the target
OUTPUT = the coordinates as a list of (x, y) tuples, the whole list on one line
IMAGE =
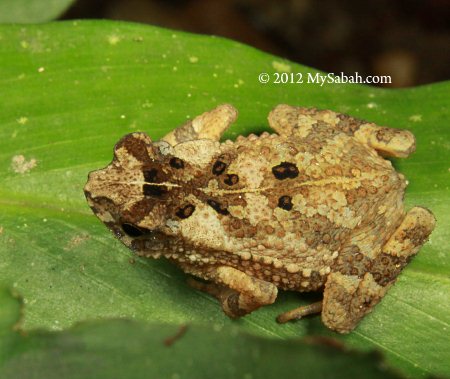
[(209, 125), (388, 142), (287, 120), (238, 292), (347, 298)]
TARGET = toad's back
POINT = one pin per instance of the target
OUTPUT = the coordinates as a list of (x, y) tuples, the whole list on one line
[(291, 205)]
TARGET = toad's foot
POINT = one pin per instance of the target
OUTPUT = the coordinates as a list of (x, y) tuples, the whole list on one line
[(412, 233), (347, 299), (386, 141), (238, 292)]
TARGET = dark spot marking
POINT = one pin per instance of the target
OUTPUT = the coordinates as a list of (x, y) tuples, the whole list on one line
[(150, 175), (185, 211), (285, 202), (132, 230), (219, 208), (285, 170), (176, 163), (219, 167), (154, 190), (231, 179), (134, 146)]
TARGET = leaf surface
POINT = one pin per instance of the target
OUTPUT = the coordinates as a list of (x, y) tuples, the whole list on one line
[(74, 88), (131, 349)]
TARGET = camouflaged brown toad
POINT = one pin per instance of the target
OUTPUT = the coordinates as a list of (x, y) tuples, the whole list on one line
[(313, 207)]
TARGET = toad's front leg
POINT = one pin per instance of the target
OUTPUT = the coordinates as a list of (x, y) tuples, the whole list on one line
[(209, 125), (238, 292)]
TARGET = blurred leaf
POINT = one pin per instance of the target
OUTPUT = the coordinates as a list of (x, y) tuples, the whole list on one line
[(127, 349), (29, 11), (73, 89)]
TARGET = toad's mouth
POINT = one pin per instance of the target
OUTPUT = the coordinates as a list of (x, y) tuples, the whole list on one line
[(146, 242)]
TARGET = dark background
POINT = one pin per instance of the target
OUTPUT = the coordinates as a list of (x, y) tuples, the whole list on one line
[(406, 39)]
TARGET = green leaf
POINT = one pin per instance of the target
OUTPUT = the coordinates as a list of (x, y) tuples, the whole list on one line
[(74, 89), (127, 349), (29, 11)]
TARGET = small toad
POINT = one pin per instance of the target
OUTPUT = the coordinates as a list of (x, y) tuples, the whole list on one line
[(313, 206)]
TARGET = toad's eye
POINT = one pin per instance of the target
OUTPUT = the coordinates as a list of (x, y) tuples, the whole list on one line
[(132, 230)]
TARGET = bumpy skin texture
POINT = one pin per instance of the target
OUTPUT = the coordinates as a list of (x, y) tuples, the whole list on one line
[(313, 207)]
